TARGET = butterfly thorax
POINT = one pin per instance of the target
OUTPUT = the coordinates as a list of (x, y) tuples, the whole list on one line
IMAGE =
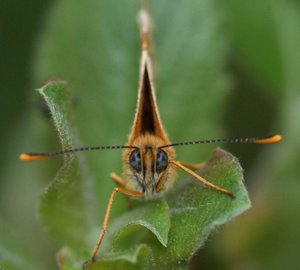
[(147, 168)]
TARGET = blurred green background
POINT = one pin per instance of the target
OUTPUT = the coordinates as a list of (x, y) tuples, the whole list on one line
[(222, 69)]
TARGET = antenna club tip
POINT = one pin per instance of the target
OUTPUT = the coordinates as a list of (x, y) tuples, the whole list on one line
[(24, 157), (277, 138), (30, 157), (271, 139)]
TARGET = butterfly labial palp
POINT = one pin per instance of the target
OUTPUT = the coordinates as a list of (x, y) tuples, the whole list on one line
[(149, 165)]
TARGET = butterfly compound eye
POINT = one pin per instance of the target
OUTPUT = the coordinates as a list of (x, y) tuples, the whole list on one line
[(135, 160), (161, 161)]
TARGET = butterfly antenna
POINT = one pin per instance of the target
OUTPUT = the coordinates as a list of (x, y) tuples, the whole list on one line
[(39, 156), (256, 140)]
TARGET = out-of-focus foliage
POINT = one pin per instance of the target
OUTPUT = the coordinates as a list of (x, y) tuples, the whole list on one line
[(222, 67)]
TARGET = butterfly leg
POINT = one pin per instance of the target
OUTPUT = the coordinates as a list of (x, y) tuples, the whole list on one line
[(194, 166), (201, 179), (107, 214), (117, 179), (162, 180)]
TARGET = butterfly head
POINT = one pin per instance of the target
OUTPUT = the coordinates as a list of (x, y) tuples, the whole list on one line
[(147, 164)]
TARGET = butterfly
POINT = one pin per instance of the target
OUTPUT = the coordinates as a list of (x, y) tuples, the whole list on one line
[(149, 158)]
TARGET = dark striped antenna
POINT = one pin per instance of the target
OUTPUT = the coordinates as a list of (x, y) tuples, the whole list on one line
[(256, 140), (38, 156)]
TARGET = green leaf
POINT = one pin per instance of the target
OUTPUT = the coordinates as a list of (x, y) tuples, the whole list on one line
[(140, 257), (65, 207), (154, 216), (195, 212)]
